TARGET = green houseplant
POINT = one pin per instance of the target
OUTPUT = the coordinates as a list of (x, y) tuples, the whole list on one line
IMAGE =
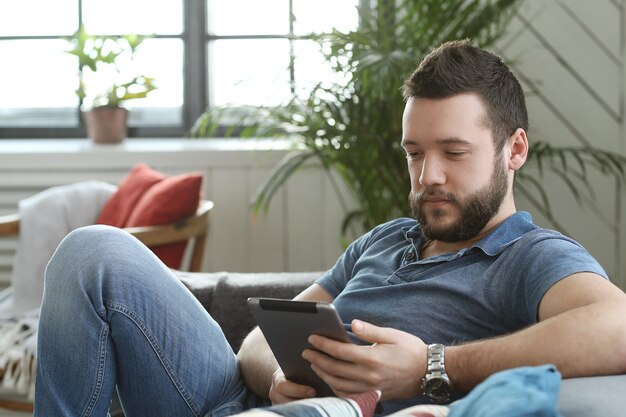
[(104, 84), (355, 128)]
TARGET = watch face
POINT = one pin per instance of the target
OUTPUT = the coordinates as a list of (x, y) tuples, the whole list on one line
[(437, 389)]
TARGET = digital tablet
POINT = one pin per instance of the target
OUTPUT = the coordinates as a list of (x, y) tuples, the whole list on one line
[(287, 325)]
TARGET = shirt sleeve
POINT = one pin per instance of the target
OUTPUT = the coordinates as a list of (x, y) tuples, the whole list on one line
[(335, 279), (548, 258)]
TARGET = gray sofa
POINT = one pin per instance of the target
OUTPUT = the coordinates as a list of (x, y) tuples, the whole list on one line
[(224, 296)]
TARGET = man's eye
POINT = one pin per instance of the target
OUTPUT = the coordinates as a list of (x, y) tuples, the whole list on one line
[(414, 155), (455, 154)]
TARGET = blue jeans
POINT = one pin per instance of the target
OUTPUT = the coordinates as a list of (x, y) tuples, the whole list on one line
[(113, 314)]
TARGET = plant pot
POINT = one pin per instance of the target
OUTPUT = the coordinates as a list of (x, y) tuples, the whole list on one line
[(106, 124)]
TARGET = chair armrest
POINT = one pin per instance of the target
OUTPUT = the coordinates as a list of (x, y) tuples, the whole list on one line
[(182, 230), (9, 225), (195, 226)]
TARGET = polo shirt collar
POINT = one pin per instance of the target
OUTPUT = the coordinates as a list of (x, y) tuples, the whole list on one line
[(507, 233)]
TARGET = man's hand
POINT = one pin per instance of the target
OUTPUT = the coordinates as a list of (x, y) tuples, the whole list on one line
[(284, 390), (395, 362)]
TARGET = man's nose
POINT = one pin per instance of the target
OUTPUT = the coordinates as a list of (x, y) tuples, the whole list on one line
[(432, 173)]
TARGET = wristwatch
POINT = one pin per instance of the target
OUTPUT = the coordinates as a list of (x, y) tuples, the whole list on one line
[(436, 384)]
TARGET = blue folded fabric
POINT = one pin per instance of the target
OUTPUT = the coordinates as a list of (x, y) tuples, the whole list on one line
[(518, 392)]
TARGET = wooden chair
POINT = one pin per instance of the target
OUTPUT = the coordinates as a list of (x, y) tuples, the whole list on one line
[(194, 229)]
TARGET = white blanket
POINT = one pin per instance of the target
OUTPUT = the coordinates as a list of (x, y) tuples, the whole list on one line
[(45, 219)]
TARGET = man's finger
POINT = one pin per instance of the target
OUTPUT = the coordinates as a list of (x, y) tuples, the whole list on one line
[(293, 390), (373, 334)]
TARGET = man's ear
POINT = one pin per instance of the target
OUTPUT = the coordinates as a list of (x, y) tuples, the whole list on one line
[(517, 149)]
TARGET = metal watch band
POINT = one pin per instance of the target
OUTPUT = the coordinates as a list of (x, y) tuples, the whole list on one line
[(436, 359), (436, 384)]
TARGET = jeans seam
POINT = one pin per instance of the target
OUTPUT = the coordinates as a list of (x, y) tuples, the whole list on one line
[(104, 334), (134, 317)]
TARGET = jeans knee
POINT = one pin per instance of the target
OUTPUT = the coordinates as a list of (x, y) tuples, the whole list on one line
[(92, 237), (85, 248)]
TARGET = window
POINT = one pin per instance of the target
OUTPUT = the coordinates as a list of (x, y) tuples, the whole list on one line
[(202, 52)]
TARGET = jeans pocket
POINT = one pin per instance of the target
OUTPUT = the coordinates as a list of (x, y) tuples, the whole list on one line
[(227, 409)]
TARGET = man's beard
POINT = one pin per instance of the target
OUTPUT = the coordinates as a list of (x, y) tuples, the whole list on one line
[(475, 210)]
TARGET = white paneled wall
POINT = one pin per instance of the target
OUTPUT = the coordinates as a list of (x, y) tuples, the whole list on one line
[(569, 56), (300, 232)]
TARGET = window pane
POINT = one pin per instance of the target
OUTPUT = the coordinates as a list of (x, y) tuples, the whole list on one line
[(248, 17), (25, 86), (115, 17), (311, 68), (313, 16), (38, 17), (249, 72), (163, 60)]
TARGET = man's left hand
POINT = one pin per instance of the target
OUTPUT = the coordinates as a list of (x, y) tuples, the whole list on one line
[(394, 363)]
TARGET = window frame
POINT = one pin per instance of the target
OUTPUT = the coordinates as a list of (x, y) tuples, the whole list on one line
[(196, 40)]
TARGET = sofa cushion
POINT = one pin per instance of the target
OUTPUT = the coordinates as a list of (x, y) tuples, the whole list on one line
[(230, 308), (201, 285), (593, 396)]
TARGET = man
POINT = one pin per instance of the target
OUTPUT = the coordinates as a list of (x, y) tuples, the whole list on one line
[(471, 288)]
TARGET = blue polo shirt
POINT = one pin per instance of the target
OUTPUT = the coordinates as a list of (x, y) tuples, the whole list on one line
[(489, 289)]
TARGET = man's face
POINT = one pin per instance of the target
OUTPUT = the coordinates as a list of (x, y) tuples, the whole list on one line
[(457, 182)]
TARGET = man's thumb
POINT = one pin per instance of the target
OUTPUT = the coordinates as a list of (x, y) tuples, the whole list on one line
[(370, 333)]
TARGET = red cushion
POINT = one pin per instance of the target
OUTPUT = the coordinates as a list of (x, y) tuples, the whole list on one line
[(119, 206), (169, 200)]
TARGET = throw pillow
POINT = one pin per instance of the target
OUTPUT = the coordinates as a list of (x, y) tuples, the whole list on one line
[(119, 206), (171, 199)]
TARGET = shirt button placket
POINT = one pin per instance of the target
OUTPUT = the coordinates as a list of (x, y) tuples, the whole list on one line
[(409, 257)]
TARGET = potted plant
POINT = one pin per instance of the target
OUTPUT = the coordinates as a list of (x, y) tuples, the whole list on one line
[(105, 63)]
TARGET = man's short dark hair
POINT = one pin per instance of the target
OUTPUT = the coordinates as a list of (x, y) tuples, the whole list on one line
[(459, 67)]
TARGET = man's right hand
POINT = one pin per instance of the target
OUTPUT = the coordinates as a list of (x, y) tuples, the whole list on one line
[(284, 390)]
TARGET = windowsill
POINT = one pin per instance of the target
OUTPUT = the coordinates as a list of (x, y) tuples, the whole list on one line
[(62, 146), (59, 154)]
